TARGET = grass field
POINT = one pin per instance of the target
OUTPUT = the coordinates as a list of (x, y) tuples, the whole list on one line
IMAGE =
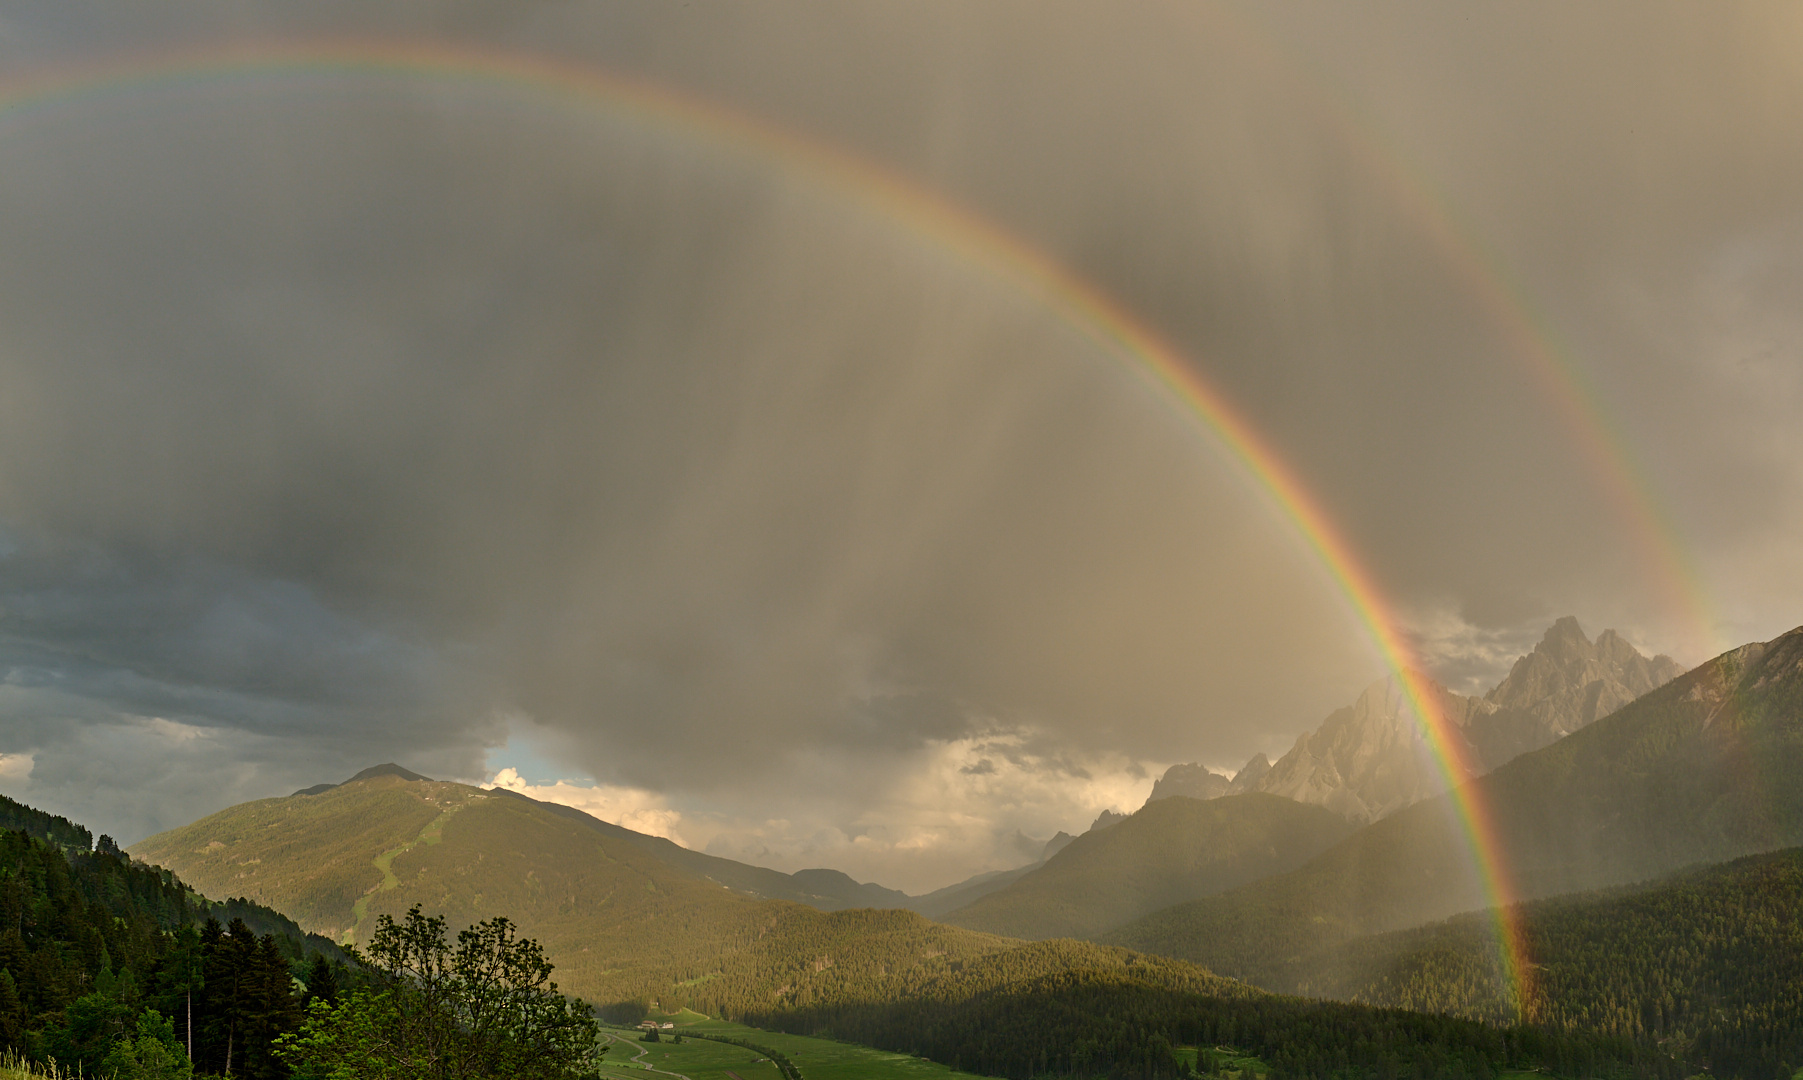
[(702, 1059), (13, 1067), (697, 1059)]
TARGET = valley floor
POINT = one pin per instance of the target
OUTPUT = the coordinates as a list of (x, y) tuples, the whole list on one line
[(704, 1059)]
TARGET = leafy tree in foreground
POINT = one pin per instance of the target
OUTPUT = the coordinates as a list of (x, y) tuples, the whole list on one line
[(153, 1055), (430, 1011)]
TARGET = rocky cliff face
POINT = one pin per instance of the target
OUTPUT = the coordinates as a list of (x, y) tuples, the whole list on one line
[(1370, 759), (1565, 684), (1194, 781), (1249, 775), (1190, 781)]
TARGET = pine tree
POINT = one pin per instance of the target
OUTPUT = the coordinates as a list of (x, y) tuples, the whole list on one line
[(322, 981), (12, 1012)]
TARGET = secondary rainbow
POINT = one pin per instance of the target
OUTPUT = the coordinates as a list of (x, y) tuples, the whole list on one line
[(1530, 336), (925, 214)]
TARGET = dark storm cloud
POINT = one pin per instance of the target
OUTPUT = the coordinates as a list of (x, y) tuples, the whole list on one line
[(1232, 173), (145, 693), (353, 419)]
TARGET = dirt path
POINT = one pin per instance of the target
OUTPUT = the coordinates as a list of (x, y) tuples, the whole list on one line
[(615, 1040)]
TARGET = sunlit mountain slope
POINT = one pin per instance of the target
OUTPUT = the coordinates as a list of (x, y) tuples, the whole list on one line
[(620, 924), (828, 890)]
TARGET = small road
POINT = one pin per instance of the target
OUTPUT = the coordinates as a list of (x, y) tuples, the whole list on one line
[(615, 1040)]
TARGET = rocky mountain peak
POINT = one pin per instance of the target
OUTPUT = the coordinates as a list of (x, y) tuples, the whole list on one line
[(1565, 639), (1568, 681), (1191, 781), (1249, 775), (1371, 759), (1107, 819)]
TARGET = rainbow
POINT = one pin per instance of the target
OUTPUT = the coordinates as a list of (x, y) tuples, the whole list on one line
[(933, 218), (1529, 334)]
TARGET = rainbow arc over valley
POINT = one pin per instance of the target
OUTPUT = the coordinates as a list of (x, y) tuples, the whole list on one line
[(910, 207)]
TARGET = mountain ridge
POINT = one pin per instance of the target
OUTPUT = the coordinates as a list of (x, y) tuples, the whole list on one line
[(1172, 849), (623, 927), (824, 889), (1699, 770), (1370, 759)]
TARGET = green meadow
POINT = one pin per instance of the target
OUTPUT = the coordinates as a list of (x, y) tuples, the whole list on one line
[(703, 1059), (697, 1059)]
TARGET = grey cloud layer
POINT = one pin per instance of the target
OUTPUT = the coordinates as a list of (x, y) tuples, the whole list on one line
[(342, 419)]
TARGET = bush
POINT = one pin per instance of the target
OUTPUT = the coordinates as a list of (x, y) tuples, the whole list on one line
[(485, 1008)]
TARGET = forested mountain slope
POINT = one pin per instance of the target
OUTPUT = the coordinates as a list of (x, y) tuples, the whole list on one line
[(1707, 767), (1036, 1013), (1708, 960), (620, 924), (90, 937), (52, 829), (827, 890), (1173, 849), (88, 940)]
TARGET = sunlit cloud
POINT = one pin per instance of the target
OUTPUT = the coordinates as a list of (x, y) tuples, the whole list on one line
[(638, 810)]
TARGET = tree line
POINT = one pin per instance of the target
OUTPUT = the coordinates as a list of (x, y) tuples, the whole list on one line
[(116, 969), (1707, 963), (101, 957), (1125, 1023)]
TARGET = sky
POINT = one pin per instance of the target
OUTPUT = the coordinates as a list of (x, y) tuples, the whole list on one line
[(638, 459)]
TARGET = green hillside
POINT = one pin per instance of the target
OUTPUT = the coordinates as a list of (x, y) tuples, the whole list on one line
[(1708, 961), (705, 1054), (52, 829), (884, 978), (828, 890), (1172, 850), (941, 902), (1708, 767), (622, 926), (1145, 1020), (89, 940)]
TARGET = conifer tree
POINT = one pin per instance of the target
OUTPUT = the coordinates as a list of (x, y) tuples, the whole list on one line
[(322, 981)]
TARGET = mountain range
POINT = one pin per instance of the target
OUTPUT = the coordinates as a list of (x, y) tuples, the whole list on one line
[(95, 936), (1201, 833), (1173, 850), (1280, 894), (618, 922), (1700, 770), (625, 917), (1369, 760)]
